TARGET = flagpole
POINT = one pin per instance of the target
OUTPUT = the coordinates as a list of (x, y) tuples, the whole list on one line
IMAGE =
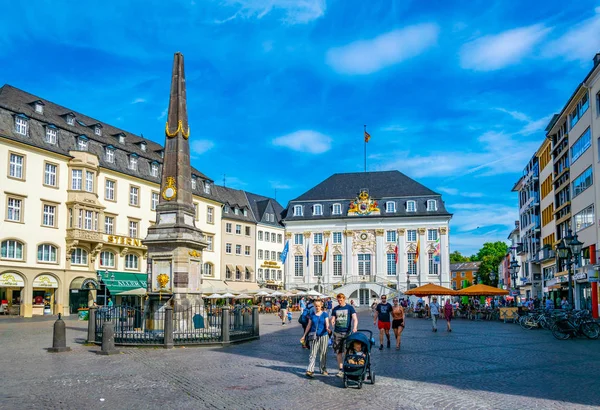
[(364, 135)]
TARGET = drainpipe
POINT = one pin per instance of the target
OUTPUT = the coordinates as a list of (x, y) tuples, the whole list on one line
[(594, 284)]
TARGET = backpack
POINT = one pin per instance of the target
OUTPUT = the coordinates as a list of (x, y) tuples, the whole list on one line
[(303, 319)]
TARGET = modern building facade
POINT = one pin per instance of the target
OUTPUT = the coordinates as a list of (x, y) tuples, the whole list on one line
[(463, 274), (366, 234), (76, 197), (546, 255)]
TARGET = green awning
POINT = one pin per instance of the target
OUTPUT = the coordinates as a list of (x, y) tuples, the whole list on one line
[(124, 282)]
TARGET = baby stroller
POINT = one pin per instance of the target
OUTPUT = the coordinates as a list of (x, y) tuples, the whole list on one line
[(357, 363)]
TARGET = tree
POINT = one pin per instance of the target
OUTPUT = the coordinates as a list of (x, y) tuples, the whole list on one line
[(490, 256), (457, 257)]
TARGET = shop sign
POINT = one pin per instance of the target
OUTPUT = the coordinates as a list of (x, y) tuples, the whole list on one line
[(45, 281), (562, 279), (270, 265), (123, 240), (580, 276), (11, 280)]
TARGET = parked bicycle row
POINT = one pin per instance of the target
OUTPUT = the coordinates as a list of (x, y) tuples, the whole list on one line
[(563, 324)]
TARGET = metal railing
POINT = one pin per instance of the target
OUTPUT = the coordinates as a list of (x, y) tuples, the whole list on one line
[(164, 325)]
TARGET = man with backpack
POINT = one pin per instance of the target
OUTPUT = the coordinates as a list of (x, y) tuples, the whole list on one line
[(303, 320), (283, 312)]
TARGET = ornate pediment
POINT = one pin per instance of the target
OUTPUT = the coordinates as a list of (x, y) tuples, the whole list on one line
[(411, 248), (363, 205)]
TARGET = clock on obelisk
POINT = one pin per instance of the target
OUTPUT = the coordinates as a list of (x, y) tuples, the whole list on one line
[(174, 243)]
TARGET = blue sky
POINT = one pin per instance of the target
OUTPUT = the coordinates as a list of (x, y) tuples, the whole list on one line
[(454, 94)]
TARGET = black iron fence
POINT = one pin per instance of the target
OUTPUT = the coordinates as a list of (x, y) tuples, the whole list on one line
[(168, 326)]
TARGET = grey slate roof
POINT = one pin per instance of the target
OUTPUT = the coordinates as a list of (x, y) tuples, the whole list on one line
[(233, 198), (262, 205), (382, 186), (15, 101), (455, 267)]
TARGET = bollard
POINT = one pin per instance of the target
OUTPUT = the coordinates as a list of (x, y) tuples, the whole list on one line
[(225, 325), (91, 338), (168, 328), (59, 337), (255, 327), (108, 340)]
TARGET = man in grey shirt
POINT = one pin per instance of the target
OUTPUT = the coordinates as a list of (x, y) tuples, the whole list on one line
[(435, 313)]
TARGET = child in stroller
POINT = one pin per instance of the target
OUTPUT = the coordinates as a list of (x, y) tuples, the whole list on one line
[(357, 360)]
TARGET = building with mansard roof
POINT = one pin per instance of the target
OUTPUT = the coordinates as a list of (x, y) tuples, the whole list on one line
[(76, 197), (366, 234)]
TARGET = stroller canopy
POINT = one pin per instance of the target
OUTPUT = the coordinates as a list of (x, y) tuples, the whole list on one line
[(358, 337)]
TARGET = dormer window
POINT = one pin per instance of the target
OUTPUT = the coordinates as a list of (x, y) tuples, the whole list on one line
[(81, 123), (194, 182), (109, 155), (318, 209), (336, 209), (161, 153), (245, 212), (51, 134), (98, 130), (236, 211), (39, 107), (133, 162), (143, 146), (431, 205), (21, 124), (154, 169), (411, 206), (206, 187), (226, 209), (390, 206), (82, 143), (298, 210), (121, 137), (70, 119)]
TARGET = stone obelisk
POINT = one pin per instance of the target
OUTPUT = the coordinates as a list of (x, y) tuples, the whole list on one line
[(174, 243)]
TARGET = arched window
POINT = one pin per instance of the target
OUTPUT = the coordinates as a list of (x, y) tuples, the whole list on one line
[(79, 256), (131, 261), (11, 249), (208, 269), (107, 259), (238, 274), (46, 253), (297, 210), (317, 209), (227, 272)]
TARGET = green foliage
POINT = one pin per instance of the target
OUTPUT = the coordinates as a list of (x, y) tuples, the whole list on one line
[(457, 257), (490, 256)]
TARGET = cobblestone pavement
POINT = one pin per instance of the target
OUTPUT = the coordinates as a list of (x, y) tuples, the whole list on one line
[(479, 365)]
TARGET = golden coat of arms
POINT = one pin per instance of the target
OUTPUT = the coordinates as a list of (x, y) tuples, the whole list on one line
[(363, 205), (162, 280)]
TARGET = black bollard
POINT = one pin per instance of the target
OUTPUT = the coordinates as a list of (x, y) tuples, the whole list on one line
[(59, 337), (108, 339)]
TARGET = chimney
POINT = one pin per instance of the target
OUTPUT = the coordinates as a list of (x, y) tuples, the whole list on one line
[(596, 59)]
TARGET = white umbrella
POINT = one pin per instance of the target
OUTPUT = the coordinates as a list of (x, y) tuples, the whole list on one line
[(228, 295), (263, 293), (301, 293), (313, 292), (214, 296), (289, 294), (243, 296), (277, 293)]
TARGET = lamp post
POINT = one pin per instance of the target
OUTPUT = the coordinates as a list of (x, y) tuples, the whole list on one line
[(514, 272), (568, 251), (319, 284), (493, 275), (104, 278)]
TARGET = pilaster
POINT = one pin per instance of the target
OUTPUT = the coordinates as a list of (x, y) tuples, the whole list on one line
[(380, 254), (422, 266)]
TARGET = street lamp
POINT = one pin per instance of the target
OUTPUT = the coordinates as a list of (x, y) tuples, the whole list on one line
[(568, 250), (319, 284), (493, 275), (514, 272)]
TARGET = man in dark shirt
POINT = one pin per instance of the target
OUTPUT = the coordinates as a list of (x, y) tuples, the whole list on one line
[(283, 311), (383, 320), (343, 320)]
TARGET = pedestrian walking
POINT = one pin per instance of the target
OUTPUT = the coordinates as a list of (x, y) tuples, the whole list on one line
[(318, 330), (448, 314), (283, 306), (302, 305), (303, 320), (383, 320), (329, 306), (373, 307), (434, 308), (397, 321), (343, 320)]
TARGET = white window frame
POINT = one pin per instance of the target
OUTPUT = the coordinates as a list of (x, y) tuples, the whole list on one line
[(247, 250), (238, 249), (194, 182), (298, 266), (337, 265), (109, 155), (51, 135), (412, 265), (154, 199), (49, 215), (21, 125), (89, 181), (143, 146), (336, 209), (82, 144), (50, 174), (391, 264), (154, 169), (298, 239), (17, 247), (260, 254), (208, 269), (318, 209), (79, 256), (109, 224), (390, 206), (411, 206), (133, 229), (298, 210), (132, 261), (432, 234), (76, 179), (134, 196), (14, 209), (228, 248), (109, 189), (70, 120), (433, 266), (133, 163), (17, 165), (111, 259), (317, 265), (431, 205), (47, 253), (318, 238), (228, 227), (238, 229), (336, 236), (98, 131), (391, 236), (409, 235), (39, 108), (364, 264)]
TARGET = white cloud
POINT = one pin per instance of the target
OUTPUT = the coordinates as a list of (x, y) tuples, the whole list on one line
[(457, 192), (279, 185), (531, 126), (138, 101), (581, 42), (199, 147), (309, 141), (471, 216), (493, 52), (163, 114), (294, 11), (469, 243), (385, 50)]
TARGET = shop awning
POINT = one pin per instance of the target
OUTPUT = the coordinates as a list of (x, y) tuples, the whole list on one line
[(84, 283), (125, 283), (230, 267), (239, 267), (250, 269)]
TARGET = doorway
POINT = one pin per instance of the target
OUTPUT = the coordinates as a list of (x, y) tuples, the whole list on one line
[(364, 297)]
